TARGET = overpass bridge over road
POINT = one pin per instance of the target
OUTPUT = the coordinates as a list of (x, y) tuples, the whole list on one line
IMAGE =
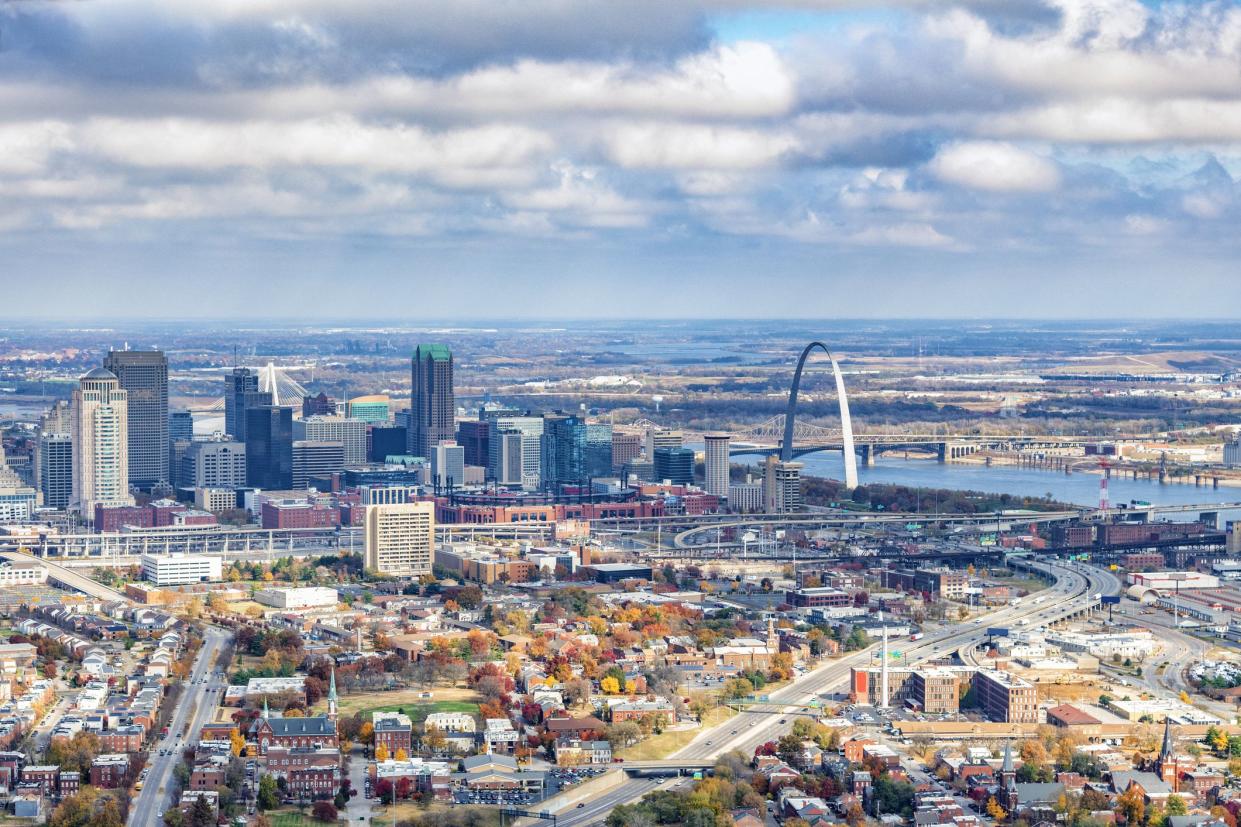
[(68, 579)]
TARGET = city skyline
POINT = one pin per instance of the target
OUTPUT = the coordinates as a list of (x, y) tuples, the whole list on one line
[(1067, 158)]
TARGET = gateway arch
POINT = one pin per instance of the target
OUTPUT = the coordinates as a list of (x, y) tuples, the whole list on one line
[(846, 425)]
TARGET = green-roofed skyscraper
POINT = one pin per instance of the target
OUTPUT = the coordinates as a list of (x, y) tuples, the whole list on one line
[(432, 407)]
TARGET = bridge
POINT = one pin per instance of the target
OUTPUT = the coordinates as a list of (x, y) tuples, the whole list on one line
[(669, 767), (68, 579), (767, 436)]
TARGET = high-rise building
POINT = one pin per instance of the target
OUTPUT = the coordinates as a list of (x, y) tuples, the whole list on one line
[(625, 449), (180, 426), (1232, 452), (220, 464), (100, 436), (269, 447), (383, 441), (531, 430), (574, 451), (350, 433), (782, 485), (432, 403), (315, 459), (472, 436), (56, 469), (373, 409), (321, 405), (715, 466), (143, 375), (448, 465), (657, 438), (674, 465), (241, 392), (504, 461), (400, 538)]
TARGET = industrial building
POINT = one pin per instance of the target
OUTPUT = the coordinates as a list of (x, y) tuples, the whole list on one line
[(181, 569)]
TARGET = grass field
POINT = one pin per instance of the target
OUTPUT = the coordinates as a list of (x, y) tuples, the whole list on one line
[(452, 699), (664, 744), (287, 819)]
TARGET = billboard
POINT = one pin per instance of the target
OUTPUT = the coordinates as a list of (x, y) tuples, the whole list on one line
[(1110, 600)]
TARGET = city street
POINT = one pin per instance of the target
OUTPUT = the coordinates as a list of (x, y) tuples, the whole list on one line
[(200, 697)]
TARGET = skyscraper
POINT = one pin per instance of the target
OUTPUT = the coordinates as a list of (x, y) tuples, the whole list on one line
[(574, 451), (504, 456), (448, 465), (531, 430), (432, 404), (315, 459), (143, 375), (782, 485), (674, 465), (715, 468), (55, 469), (350, 433), (269, 447), (241, 391), (100, 433), (180, 426)]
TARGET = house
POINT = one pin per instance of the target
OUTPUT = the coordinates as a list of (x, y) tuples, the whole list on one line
[(572, 752), (500, 772), (1154, 789), (394, 730), (575, 727)]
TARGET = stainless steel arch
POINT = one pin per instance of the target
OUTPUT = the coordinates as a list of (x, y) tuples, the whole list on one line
[(846, 425)]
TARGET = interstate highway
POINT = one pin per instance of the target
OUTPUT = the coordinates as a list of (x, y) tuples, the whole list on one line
[(1073, 591)]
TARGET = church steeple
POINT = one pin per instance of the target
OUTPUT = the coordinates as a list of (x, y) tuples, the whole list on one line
[(1008, 775), (331, 695), (266, 711), (1166, 752)]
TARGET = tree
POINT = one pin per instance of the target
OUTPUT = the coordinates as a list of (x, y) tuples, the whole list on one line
[(402, 755), (173, 817), (366, 733), (201, 814), (324, 811), (1132, 805), (610, 685), (236, 742), (1176, 806), (995, 810), (381, 752), (268, 798)]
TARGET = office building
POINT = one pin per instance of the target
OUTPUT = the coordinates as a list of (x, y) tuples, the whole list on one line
[(432, 403), (625, 449), (17, 503), (504, 464), (269, 447), (385, 441), (219, 464), (936, 691), (400, 539), (657, 438), (321, 405), (315, 459), (715, 465), (782, 486), (574, 451), (180, 426), (100, 435), (448, 465), (472, 436), (531, 430), (55, 469), (374, 409), (143, 375), (181, 569), (745, 497), (307, 597), (350, 433), (215, 500), (1006, 698), (1232, 452), (241, 392), (674, 465)]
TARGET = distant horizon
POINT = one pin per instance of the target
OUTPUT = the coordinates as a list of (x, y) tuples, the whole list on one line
[(466, 323)]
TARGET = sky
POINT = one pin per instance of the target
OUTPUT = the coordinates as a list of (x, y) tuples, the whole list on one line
[(581, 158)]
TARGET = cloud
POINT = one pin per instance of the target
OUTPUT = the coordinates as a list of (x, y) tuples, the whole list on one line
[(994, 167)]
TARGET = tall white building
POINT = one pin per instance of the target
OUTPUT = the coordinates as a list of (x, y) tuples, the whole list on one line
[(448, 464), (400, 538), (100, 423), (1232, 452), (661, 438), (531, 430), (782, 486), (716, 464), (504, 457), (350, 433)]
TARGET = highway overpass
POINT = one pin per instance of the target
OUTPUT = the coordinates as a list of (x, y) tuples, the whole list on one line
[(68, 579)]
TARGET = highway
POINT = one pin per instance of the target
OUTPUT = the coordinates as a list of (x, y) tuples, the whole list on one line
[(1074, 589), (200, 697)]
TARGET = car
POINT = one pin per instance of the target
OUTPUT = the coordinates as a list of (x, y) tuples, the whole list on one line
[(782, 720), (734, 732)]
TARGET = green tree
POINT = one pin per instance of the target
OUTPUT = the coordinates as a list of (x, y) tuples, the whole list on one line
[(1176, 806), (201, 814), (268, 799)]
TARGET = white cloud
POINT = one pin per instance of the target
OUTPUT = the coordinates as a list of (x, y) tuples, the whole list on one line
[(994, 167)]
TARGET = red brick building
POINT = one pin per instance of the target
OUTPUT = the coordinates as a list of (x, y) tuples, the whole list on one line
[(310, 733), (108, 771), (46, 776)]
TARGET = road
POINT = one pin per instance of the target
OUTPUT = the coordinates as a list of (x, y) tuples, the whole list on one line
[(201, 696), (1075, 585)]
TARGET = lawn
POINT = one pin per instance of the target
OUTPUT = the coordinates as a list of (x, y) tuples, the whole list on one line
[(290, 819), (451, 699), (666, 743)]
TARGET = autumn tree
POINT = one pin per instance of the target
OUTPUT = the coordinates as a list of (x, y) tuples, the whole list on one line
[(995, 810), (1132, 805)]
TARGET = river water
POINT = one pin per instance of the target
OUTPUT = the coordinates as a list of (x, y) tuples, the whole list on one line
[(1079, 488)]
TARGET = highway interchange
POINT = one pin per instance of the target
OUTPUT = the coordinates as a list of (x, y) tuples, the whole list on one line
[(1075, 589)]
